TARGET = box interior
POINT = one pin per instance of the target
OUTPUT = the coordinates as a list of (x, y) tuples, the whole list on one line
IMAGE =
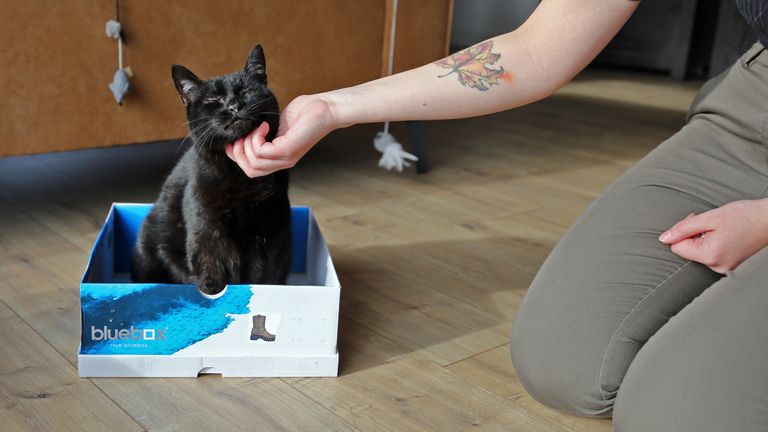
[(111, 258)]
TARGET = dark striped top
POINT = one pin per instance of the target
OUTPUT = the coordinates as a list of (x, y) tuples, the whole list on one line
[(756, 14)]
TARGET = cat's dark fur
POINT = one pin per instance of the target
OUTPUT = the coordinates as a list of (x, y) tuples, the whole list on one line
[(212, 225)]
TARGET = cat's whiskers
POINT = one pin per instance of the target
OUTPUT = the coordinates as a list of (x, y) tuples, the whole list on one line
[(205, 139), (261, 103), (188, 122), (203, 127), (192, 131)]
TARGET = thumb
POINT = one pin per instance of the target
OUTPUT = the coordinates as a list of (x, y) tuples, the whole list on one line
[(686, 228)]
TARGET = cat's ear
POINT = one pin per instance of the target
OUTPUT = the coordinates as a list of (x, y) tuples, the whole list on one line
[(256, 65), (187, 84)]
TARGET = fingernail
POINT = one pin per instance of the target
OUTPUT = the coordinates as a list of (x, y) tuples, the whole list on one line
[(665, 236)]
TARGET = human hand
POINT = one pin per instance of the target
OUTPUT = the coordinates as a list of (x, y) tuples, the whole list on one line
[(303, 123), (721, 238)]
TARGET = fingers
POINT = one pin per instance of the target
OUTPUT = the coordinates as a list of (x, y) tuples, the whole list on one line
[(689, 227), (692, 249), (265, 167), (278, 149), (696, 238), (703, 251), (252, 144), (256, 157), (247, 153), (251, 165), (229, 152), (237, 153), (262, 130)]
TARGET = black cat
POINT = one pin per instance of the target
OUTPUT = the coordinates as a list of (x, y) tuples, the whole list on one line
[(212, 225)]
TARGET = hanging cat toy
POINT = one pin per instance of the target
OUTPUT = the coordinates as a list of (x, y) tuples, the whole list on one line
[(121, 83), (392, 153)]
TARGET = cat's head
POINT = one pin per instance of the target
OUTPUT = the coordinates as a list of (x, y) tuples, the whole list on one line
[(223, 109)]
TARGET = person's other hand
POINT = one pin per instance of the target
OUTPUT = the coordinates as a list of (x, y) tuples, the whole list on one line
[(303, 123), (721, 238)]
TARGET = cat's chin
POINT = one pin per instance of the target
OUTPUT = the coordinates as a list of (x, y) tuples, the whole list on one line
[(240, 128)]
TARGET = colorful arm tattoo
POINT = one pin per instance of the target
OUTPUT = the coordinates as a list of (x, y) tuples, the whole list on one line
[(471, 66)]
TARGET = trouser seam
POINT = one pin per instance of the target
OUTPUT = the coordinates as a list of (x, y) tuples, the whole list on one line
[(765, 152), (616, 330)]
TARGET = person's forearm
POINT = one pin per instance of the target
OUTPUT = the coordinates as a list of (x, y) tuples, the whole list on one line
[(559, 39)]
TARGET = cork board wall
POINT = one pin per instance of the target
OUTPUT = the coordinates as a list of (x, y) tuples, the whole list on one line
[(57, 60)]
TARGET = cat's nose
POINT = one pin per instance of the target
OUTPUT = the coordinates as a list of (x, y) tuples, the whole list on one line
[(234, 107)]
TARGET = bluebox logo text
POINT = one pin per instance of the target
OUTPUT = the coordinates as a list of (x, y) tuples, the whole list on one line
[(105, 333)]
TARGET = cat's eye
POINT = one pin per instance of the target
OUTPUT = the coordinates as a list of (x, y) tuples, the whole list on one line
[(211, 100)]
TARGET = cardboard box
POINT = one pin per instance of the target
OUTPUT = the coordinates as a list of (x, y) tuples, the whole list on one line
[(172, 330)]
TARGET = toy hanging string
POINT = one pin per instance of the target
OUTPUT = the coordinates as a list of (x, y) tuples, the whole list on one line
[(392, 153), (391, 57), (120, 84)]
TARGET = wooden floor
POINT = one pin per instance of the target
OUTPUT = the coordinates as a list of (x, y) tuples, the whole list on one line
[(433, 268)]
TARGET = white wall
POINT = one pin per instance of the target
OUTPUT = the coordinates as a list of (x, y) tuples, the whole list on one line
[(476, 20)]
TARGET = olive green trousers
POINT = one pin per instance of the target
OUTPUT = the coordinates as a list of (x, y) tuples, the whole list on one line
[(615, 324)]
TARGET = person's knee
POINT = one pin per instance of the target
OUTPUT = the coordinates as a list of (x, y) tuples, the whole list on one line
[(561, 376)]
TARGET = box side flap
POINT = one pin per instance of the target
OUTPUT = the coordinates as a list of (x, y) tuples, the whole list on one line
[(102, 258), (299, 228), (320, 267), (128, 220)]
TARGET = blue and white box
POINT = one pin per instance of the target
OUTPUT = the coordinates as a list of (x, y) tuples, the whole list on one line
[(172, 330)]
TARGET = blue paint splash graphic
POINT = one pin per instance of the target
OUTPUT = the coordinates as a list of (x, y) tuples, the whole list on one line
[(178, 313)]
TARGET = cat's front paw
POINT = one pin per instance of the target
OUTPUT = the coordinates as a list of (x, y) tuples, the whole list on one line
[(209, 286)]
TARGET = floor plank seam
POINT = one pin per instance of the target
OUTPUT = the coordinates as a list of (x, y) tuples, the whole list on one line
[(77, 377), (96, 384), (474, 355), (44, 224), (3, 303), (387, 336), (323, 407)]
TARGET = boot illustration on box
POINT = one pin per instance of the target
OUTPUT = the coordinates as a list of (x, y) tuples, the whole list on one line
[(259, 331)]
